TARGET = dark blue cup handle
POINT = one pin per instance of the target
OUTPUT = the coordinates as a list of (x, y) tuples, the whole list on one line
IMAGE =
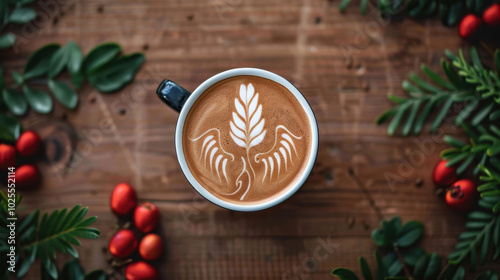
[(172, 94)]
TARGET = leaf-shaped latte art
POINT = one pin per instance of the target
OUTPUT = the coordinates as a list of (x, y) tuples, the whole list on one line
[(247, 125), (281, 151), (212, 150)]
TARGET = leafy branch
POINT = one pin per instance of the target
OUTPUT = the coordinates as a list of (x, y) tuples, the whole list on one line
[(404, 260), (481, 149), (462, 82), (483, 226), (103, 67), (15, 12), (41, 238), (450, 12)]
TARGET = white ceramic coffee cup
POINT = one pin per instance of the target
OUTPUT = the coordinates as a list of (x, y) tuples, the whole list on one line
[(182, 101)]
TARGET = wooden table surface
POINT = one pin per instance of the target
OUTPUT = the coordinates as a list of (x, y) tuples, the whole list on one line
[(345, 64)]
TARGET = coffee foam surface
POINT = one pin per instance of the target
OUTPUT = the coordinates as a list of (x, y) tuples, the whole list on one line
[(246, 139)]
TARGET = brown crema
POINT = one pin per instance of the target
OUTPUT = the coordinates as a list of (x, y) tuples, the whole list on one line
[(247, 139)]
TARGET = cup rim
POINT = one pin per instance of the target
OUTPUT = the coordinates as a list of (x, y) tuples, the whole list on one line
[(289, 191)]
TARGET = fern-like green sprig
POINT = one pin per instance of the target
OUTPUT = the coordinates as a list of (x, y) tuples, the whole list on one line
[(483, 226), (462, 82), (482, 148), (486, 81), (41, 238)]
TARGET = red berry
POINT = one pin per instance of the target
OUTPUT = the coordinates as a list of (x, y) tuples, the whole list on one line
[(462, 196), (28, 144), (7, 157), (444, 176), (123, 199), (491, 16), (468, 26), (151, 247), (123, 243), (146, 216), (27, 177), (140, 271)]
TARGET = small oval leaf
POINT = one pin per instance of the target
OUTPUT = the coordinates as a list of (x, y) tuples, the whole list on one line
[(38, 99), (344, 274), (99, 56), (22, 15), (57, 62), (7, 40), (63, 93), (15, 101), (409, 233), (117, 74), (38, 62)]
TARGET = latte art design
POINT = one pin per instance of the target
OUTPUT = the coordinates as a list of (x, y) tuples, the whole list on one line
[(248, 130)]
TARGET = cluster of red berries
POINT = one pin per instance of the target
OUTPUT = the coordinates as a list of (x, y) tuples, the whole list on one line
[(21, 156), (471, 23), (461, 195), (125, 242)]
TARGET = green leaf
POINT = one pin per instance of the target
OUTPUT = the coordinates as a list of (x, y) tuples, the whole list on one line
[(30, 220), (344, 274), (7, 40), (409, 233), (117, 74), (343, 5), (394, 266), (363, 5), (452, 75), (484, 247), (474, 56), (75, 57), (477, 215), (22, 15), (420, 267), (63, 93), (386, 115), (365, 269), (411, 117), (2, 81), (397, 118), (382, 271), (70, 250), (87, 222), (487, 275), (444, 110), (454, 142), (459, 274), (436, 78), (72, 270), (4, 12), (97, 275), (58, 61), (38, 62), (497, 60), (18, 78), (433, 267), (100, 56), (50, 267), (482, 114), (26, 263), (15, 101), (473, 261), (10, 128), (84, 233), (422, 84), (412, 255), (38, 99)]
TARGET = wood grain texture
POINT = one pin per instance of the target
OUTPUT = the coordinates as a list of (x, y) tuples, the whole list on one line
[(344, 64)]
